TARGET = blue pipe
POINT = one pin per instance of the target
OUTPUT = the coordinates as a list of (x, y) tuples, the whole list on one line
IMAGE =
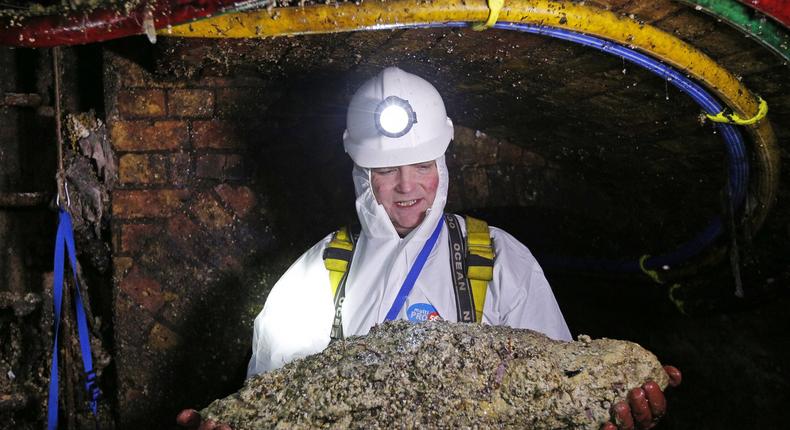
[(738, 169)]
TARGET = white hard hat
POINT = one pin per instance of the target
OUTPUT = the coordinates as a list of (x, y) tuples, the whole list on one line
[(396, 118)]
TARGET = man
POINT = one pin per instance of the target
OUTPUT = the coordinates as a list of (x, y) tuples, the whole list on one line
[(397, 134), (401, 183)]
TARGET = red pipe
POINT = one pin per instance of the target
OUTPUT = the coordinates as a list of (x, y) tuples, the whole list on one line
[(98, 25), (776, 9)]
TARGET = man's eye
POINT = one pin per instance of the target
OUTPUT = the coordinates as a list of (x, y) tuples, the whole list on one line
[(383, 171)]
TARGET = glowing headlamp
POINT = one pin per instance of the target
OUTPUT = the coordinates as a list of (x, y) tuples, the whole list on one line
[(394, 117)]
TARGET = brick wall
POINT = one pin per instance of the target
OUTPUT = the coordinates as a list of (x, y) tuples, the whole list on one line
[(186, 224)]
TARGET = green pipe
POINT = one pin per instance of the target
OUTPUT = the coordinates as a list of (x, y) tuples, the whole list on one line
[(764, 29)]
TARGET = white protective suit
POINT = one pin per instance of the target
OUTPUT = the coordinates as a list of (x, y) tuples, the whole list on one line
[(296, 320)]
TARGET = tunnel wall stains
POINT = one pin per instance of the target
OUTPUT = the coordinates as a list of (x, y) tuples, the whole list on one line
[(186, 224)]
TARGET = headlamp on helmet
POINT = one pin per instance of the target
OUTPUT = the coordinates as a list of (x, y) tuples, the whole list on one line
[(394, 117), (381, 124)]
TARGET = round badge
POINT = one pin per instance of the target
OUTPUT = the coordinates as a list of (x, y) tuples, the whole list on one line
[(421, 312)]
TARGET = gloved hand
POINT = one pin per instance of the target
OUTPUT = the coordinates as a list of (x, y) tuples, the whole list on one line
[(645, 407), (191, 419)]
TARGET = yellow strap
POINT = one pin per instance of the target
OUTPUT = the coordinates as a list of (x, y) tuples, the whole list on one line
[(733, 118), (482, 273), (478, 241), (478, 238), (338, 267), (342, 240), (479, 288), (494, 6)]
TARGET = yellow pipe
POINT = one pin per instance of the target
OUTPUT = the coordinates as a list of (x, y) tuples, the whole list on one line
[(374, 15)]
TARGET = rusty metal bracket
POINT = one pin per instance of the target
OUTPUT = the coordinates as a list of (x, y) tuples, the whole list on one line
[(21, 100), (23, 200)]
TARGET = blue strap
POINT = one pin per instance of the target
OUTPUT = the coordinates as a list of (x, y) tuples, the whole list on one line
[(416, 268), (65, 237), (52, 404)]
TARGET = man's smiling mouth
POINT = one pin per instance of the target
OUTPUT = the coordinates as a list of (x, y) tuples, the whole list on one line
[(406, 203)]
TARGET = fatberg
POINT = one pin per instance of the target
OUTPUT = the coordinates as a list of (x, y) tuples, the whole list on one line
[(444, 375)]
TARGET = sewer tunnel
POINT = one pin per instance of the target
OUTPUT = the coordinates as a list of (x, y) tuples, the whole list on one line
[(203, 154)]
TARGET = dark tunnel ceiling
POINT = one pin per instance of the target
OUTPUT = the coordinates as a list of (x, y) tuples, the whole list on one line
[(610, 124), (527, 89)]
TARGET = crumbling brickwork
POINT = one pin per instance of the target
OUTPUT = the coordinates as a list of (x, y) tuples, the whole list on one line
[(187, 232)]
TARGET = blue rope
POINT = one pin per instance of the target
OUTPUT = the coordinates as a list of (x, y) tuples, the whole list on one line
[(416, 268)]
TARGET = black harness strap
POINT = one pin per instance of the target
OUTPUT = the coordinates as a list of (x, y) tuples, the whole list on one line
[(337, 323), (464, 301)]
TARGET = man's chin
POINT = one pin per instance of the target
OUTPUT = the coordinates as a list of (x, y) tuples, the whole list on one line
[(408, 226)]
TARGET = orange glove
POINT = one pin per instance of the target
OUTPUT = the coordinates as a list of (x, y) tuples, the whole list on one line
[(645, 407)]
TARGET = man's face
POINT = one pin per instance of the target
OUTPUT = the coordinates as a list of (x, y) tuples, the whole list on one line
[(406, 192)]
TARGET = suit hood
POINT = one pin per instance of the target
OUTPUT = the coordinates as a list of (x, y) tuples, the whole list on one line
[(373, 217)]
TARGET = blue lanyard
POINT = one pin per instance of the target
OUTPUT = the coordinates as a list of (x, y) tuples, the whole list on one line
[(65, 237), (416, 268)]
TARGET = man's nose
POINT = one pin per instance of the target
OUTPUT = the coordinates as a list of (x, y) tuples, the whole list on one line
[(405, 181)]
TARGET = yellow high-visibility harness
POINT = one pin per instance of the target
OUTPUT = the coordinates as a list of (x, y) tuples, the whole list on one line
[(477, 253)]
